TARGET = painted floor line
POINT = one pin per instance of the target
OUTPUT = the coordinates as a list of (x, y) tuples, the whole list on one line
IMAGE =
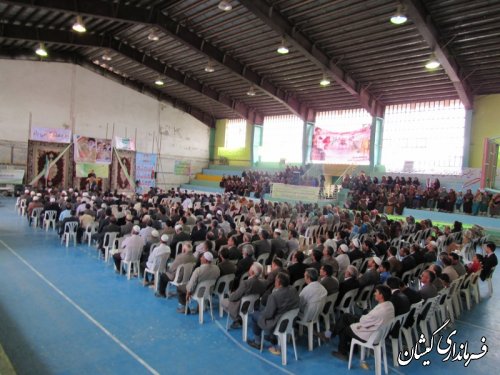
[(223, 329), (477, 326), (83, 312)]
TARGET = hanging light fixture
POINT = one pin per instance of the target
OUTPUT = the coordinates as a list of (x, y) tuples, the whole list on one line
[(325, 81), (154, 36), (210, 67), (399, 17), (107, 57), (432, 63), (79, 26), (225, 6), (251, 91), (159, 82), (283, 49), (41, 51)]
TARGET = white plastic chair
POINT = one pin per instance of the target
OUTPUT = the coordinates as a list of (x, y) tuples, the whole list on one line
[(327, 314), (108, 243), (69, 232), (489, 280), (18, 203), (247, 306), (364, 297), (182, 275), (262, 259), (89, 231), (202, 293), (161, 268), (376, 342), (49, 218), (283, 329), (299, 284), (309, 319), (395, 334), (474, 287), (132, 265), (222, 289), (22, 207), (346, 303), (35, 216)]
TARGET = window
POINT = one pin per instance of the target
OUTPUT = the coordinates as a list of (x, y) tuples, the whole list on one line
[(424, 137), (282, 139), (236, 131)]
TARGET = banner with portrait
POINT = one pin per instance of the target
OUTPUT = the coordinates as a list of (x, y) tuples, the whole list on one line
[(341, 147), (121, 177), (51, 135), (145, 165), (92, 150)]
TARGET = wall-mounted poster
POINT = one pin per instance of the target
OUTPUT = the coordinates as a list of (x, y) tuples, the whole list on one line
[(124, 143), (51, 135), (341, 147), (145, 165), (82, 170), (92, 150)]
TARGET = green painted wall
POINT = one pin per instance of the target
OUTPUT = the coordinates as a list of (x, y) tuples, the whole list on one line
[(241, 157), (485, 124)]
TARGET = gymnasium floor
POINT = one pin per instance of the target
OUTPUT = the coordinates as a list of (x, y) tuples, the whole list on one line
[(63, 311)]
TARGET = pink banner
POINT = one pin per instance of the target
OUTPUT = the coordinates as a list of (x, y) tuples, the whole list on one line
[(331, 147)]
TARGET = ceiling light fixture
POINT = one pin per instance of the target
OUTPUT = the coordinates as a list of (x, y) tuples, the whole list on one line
[(154, 36), (210, 67), (325, 81), (159, 82), (433, 62), (251, 91), (107, 57), (41, 51), (79, 26), (225, 6), (399, 17), (283, 49)]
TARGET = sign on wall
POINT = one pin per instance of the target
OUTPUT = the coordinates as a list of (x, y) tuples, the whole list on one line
[(92, 150), (145, 165), (182, 167), (83, 170), (124, 143), (51, 135)]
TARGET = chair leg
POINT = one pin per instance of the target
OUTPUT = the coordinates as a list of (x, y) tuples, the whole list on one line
[(294, 347), (384, 353), (282, 341), (378, 360), (394, 343), (244, 329), (201, 310), (351, 351), (310, 328)]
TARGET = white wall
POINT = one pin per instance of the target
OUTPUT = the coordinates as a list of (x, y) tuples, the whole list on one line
[(64, 95)]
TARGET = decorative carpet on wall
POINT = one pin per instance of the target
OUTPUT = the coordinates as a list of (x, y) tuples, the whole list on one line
[(118, 179), (60, 175)]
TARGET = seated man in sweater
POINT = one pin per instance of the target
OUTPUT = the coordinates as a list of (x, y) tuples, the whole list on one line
[(362, 328)]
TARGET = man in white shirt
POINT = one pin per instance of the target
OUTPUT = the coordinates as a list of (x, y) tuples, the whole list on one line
[(312, 294), (131, 248), (159, 253), (362, 328)]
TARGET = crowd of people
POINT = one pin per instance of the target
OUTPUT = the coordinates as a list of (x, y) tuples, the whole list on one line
[(218, 235), (392, 194), (259, 182)]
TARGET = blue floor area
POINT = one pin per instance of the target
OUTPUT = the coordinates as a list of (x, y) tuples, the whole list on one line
[(63, 311)]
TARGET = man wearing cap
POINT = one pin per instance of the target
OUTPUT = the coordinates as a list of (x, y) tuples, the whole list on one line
[(131, 248), (489, 261), (155, 239), (207, 271), (160, 254), (371, 276), (355, 252), (342, 259)]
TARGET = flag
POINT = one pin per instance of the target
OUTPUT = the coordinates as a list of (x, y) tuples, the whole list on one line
[(46, 168)]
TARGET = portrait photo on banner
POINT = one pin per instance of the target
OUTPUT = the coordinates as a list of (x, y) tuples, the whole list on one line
[(92, 150)]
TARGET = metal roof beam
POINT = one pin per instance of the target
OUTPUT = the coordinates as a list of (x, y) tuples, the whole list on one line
[(313, 53), (427, 29), (155, 18), (90, 40)]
